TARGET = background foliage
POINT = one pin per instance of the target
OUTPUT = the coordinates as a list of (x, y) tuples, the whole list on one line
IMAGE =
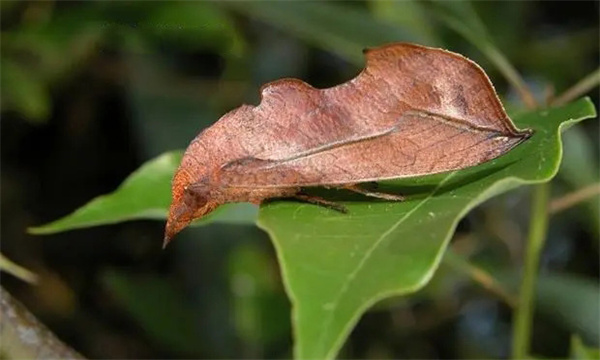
[(92, 90)]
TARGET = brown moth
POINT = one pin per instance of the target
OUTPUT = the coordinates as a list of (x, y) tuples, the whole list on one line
[(412, 111)]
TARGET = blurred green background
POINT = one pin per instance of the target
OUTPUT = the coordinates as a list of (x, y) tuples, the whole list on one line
[(90, 90)]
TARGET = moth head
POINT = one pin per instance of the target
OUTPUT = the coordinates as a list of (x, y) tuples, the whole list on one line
[(191, 201)]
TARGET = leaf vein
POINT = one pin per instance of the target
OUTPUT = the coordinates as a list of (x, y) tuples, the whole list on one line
[(350, 278)]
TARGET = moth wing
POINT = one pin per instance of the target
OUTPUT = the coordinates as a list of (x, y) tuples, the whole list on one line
[(412, 111), (419, 144), (293, 118)]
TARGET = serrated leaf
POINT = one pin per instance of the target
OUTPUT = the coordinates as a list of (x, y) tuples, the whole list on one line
[(145, 194), (335, 266)]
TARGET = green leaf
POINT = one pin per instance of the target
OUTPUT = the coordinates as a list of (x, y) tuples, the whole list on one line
[(145, 194), (194, 24), (343, 30), (581, 352), (60, 46), (335, 266), (24, 91), (460, 16), (408, 14)]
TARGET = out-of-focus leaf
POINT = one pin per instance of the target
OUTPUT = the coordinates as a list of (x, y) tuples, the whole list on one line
[(408, 14), (261, 307), (340, 29), (60, 46), (167, 111), (24, 91), (510, 36), (571, 301), (335, 266), (568, 300), (195, 23), (462, 18), (547, 56), (580, 169), (581, 352), (46, 52), (8, 5), (159, 308), (145, 194)]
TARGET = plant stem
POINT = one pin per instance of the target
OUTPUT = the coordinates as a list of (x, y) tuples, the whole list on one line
[(511, 74), (16, 270), (478, 275), (574, 198), (581, 87), (462, 18), (25, 337), (523, 316)]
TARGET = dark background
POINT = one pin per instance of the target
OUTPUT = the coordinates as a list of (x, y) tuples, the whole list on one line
[(91, 90)]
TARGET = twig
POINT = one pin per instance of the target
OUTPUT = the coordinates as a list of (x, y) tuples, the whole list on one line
[(511, 74), (16, 270), (479, 276), (24, 337), (574, 198), (466, 22), (581, 87), (538, 225)]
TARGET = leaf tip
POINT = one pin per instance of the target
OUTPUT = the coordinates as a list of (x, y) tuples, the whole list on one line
[(38, 230)]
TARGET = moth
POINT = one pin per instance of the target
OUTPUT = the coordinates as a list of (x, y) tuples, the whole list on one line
[(412, 111)]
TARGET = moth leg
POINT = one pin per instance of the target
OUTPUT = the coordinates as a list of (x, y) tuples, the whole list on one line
[(376, 194), (322, 202)]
